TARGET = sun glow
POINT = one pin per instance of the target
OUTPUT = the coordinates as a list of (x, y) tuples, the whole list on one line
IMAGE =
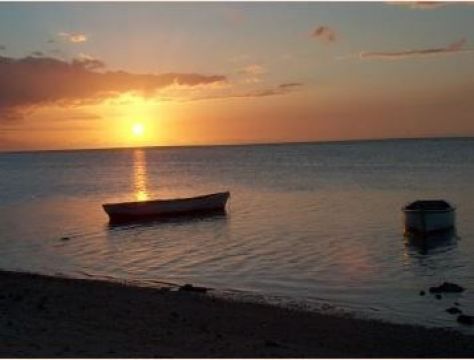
[(132, 121), (138, 129)]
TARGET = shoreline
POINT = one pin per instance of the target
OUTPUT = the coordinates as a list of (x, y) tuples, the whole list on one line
[(46, 316)]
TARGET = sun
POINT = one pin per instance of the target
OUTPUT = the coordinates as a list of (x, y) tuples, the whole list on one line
[(138, 129)]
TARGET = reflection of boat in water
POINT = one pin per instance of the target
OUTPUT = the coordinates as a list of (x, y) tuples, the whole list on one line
[(428, 216), (181, 219), (140, 210), (433, 242)]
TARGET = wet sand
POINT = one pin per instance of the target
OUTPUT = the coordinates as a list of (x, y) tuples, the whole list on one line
[(43, 316)]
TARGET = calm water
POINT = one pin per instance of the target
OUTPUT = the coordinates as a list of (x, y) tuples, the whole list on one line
[(312, 223)]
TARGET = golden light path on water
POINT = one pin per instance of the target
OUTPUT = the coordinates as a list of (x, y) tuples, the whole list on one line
[(140, 175)]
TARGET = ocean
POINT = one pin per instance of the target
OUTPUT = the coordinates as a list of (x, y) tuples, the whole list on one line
[(316, 225)]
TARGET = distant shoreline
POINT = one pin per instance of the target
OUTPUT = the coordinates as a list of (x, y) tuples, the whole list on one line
[(200, 146), (44, 316)]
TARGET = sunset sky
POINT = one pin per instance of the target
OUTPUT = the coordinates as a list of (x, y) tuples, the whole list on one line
[(93, 75)]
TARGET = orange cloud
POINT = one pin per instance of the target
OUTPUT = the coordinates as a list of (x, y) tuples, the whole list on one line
[(73, 38), (420, 5), (455, 47), (325, 34), (37, 81)]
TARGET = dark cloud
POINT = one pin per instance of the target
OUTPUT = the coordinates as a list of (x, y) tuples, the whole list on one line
[(14, 129), (455, 47), (290, 85), (35, 81), (37, 53), (325, 34), (281, 89)]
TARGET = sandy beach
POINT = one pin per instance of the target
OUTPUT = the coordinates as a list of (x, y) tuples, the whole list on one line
[(44, 316)]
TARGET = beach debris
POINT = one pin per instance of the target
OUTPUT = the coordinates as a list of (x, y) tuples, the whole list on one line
[(447, 287), (422, 293), (465, 319), (438, 296), (453, 310), (192, 288)]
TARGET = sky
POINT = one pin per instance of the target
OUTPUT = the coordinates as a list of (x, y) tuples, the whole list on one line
[(98, 75)]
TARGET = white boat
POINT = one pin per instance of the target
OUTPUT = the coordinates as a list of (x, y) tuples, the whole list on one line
[(426, 216), (167, 207)]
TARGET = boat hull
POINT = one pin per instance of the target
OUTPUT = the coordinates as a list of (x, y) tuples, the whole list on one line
[(165, 208), (423, 221)]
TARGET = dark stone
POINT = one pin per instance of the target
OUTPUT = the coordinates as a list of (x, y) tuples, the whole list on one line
[(447, 287), (438, 296), (456, 304), (271, 343), (422, 293), (65, 238), (453, 310), (190, 287), (466, 319)]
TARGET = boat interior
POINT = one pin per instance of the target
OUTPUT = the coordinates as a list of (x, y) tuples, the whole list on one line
[(429, 205)]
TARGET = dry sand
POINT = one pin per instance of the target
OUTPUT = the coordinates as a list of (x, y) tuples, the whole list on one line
[(51, 317)]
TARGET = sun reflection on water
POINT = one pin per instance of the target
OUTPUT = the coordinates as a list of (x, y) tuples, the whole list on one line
[(140, 175)]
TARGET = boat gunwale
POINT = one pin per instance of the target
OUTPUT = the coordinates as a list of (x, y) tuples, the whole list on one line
[(448, 208), (150, 202), (431, 211)]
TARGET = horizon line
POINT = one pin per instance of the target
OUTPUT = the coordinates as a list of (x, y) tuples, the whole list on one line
[(276, 143)]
